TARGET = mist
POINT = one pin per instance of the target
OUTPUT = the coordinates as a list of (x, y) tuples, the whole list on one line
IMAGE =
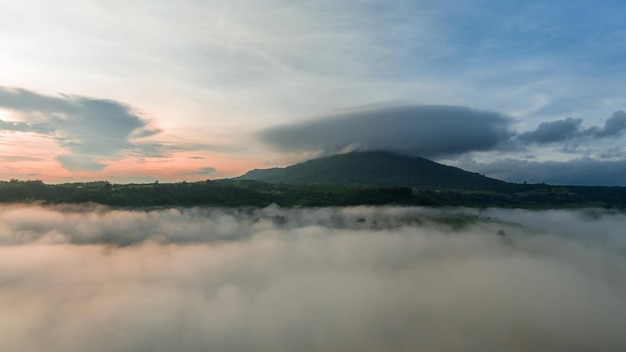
[(76, 278)]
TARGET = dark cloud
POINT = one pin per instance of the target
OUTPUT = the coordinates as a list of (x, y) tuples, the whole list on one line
[(205, 171), (17, 158), (570, 129), (164, 149), (423, 130), (101, 128), (555, 131), (344, 279), (40, 128), (31, 102), (613, 127), (78, 162), (88, 128), (146, 132), (613, 153), (582, 171)]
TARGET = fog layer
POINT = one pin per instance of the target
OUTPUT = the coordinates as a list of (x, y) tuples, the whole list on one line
[(330, 279)]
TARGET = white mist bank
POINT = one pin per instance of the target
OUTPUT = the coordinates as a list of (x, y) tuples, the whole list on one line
[(328, 279)]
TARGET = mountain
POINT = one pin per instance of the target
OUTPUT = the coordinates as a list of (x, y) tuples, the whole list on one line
[(365, 178), (376, 168)]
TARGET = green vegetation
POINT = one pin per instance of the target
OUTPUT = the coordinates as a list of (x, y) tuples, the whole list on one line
[(211, 193), (375, 169), (231, 193), (366, 178)]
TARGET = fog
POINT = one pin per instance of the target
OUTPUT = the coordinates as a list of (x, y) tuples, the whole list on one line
[(328, 279)]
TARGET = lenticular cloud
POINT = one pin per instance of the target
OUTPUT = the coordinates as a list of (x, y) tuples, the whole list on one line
[(328, 279)]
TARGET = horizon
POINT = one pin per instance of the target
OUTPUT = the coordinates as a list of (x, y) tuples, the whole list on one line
[(189, 91), (302, 162), (148, 180)]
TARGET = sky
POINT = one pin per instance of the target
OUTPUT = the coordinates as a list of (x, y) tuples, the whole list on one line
[(139, 91)]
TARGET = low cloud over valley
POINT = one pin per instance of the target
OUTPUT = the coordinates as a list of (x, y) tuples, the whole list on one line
[(332, 279)]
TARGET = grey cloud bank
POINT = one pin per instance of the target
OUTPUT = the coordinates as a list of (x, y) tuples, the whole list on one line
[(428, 131), (86, 127), (570, 128), (555, 131), (332, 279), (583, 171), (420, 130), (614, 126)]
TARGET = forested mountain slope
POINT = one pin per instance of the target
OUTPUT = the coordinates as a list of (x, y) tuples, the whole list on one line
[(375, 169)]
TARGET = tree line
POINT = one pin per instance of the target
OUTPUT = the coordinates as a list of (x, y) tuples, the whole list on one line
[(232, 193)]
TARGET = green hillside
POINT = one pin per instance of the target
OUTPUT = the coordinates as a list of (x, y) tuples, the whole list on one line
[(365, 178), (375, 169)]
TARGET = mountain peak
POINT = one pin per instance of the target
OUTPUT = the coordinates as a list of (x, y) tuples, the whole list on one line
[(373, 168)]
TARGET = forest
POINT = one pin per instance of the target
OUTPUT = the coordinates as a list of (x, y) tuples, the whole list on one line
[(235, 193)]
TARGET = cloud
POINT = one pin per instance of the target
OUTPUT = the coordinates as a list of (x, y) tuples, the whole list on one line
[(88, 128), (165, 149), (570, 129), (421, 130), (40, 128), (555, 131), (77, 162), (613, 127), (368, 279), (208, 171), (581, 171), (18, 158)]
